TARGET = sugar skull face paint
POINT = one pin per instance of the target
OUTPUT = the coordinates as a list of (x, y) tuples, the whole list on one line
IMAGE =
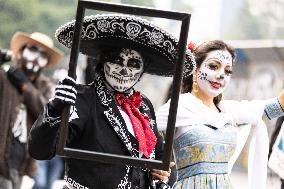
[(33, 59), (215, 72), (123, 71)]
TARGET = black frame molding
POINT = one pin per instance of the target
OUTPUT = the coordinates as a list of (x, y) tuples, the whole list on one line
[(113, 158)]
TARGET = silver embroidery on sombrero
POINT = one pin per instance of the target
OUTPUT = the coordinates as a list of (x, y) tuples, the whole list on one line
[(189, 68), (127, 27), (130, 30), (133, 29)]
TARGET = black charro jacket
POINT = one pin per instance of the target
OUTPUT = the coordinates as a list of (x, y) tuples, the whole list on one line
[(96, 124)]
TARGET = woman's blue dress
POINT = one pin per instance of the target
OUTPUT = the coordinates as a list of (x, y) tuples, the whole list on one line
[(202, 156)]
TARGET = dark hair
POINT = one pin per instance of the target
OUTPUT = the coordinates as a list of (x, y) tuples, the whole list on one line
[(200, 53)]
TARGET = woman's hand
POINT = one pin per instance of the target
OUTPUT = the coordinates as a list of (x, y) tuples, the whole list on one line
[(161, 174)]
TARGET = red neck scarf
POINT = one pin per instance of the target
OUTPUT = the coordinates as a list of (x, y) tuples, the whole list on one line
[(140, 122)]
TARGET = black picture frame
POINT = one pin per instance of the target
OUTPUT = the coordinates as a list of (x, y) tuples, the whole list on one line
[(131, 10)]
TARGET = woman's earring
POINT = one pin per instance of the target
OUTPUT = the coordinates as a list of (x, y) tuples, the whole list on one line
[(194, 83)]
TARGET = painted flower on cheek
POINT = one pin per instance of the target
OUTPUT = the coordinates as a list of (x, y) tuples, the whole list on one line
[(215, 72), (208, 82)]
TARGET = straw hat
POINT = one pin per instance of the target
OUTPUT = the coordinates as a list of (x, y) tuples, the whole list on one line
[(116, 30), (21, 39)]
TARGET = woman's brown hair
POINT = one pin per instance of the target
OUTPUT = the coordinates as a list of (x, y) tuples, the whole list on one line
[(200, 53)]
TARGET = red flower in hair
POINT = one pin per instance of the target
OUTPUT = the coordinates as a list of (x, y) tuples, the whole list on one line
[(191, 46)]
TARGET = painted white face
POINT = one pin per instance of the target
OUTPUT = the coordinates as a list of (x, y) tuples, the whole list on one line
[(215, 72), (123, 72), (34, 58)]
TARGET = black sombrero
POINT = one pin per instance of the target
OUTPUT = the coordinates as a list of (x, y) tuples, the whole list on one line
[(132, 32)]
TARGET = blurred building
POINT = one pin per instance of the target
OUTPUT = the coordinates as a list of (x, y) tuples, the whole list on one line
[(258, 74), (259, 71)]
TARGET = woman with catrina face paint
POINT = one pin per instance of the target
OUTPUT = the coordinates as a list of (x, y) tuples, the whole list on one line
[(211, 131), (109, 115)]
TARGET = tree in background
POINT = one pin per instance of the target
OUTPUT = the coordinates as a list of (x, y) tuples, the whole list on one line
[(16, 15), (40, 15), (33, 15)]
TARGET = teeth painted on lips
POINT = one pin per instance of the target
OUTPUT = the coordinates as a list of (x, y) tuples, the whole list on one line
[(120, 88), (122, 81)]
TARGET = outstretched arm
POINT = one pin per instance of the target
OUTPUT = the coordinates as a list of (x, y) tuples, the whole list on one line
[(44, 133)]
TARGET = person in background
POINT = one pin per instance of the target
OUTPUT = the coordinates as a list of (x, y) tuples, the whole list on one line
[(48, 171), (109, 115), (205, 143), (23, 92), (276, 150)]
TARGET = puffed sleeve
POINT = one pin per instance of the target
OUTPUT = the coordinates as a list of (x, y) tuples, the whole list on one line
[(184, 114), (249, 114), (244, 112)]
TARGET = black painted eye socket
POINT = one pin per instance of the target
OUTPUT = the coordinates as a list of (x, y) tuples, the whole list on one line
[(134, 63), (35, 49), (32, 48), (117, 60), (43, 55)]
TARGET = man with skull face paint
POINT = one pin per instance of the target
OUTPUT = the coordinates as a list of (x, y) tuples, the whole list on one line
[(124, 71), (109, 115), (24, 91), (206, 140)]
